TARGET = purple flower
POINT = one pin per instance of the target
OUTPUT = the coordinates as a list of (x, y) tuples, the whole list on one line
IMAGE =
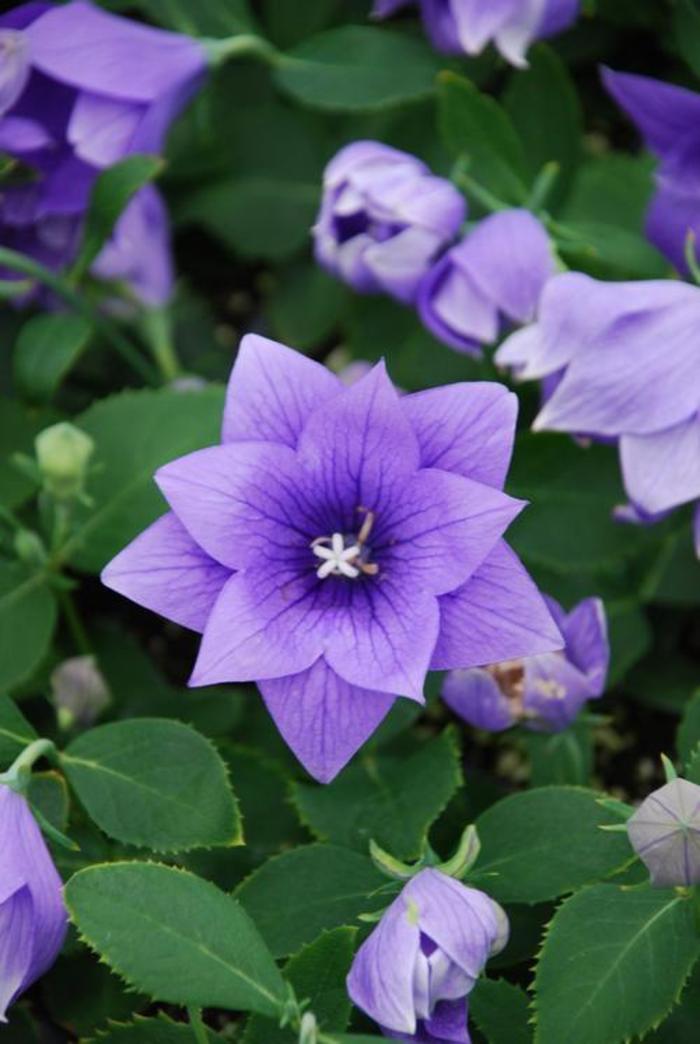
[(497, 272), (414, 972), (622, 364), (668, 118), (545, 693), (341, 542), (32, 915), (469, 26), (383, 219), (665, 834), (81, 89)]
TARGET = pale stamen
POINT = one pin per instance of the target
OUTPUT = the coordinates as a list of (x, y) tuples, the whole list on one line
[(339, 560)]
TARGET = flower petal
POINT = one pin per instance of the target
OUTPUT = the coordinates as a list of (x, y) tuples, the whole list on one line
[(475, 697), (272, 392), (554, 691), (586, 632), (165, 571), (17, 931), (497, 615), (465, 428), (662, 470), (101, 128), (663, 112), (449, 1022), (323, 718)]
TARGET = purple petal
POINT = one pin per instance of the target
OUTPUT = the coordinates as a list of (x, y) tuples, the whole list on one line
[(322, 718), (165, 571), (139, 251), (85, 47), (673, 212), (497, 615), (475, 696), (21, 135), (663, 113), (449, 1023), (663, 470), (101, 129), (381, 977), (243, 503), (398, 264), (554, 691), (272, 392), (263, 625), (454, 310), (518, 33), (461, 921), (586, 632), (476, 23), (465, 428), (17, 932), (558, 15), (665, 834), (445, 526), (384, 8), (696, 530), (22, 16), (14, 67)]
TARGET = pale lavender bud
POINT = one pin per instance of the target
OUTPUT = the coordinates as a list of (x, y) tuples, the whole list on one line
[(665, 834)]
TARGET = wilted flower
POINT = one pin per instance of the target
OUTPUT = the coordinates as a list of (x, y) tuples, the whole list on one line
[(545, 692), (669, 119), (340, 543), (622, 362), (414, 972), (665, 834), (32, 915), (79, 90), (63, 453), (469, 26), (496, 273), (383, 219)]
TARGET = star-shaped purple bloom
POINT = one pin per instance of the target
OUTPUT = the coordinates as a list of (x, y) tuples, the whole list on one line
[(341, 542)]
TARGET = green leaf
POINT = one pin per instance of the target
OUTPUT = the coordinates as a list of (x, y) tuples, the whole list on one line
[(609, 252), (46, 349), (474, 126), (215, 17), (318, 974), (501, 1012), (613, 964), (27, 620), (630, 637), (613, 189), (692, 770), (154, 783), (160, 1030), (356, 68), (175, 937), (685, 23), (293, 897), (306, 306), (688, 736), (18, 428), (681, 1026), (101, 995), (393, 800), (546, 842), (561, 757), (111, 193), (15, 732), (134, 433), (544, 107), (48, 794)]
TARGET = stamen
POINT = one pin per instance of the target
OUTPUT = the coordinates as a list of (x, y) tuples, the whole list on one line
[(338, 559)]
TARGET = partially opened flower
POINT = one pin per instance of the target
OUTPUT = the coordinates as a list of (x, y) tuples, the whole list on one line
[(33, 918), (415, 971), (665, 834), (80, 89), (495, 275), (622, 362), (384, 218), (339, 544), (544, 693), (668, 118), (469, 26)]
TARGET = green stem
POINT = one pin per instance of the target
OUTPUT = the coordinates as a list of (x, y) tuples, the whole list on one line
[(242, 45), (157, 332), (75, 624), (19, 263), (544, 183), (473, 188), (17, 776), (197, 1023)]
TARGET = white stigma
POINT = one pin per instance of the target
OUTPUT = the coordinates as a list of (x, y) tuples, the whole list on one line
[(337, 559)]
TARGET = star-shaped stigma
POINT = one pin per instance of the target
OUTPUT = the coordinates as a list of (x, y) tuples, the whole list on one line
[(338, 559)]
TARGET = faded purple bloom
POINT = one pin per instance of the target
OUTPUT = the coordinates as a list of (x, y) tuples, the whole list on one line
[(32, 915), (339, 544), (496, 273), (469, 26), (544, 693), (668, 118), (623, 362), (665, 834), (414, 972), (80, 89), (383, 219)]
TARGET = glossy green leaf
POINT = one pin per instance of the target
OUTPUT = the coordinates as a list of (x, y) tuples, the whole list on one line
[(154, 783), (160, 1030), (18, 427), (46, 349), (15, 732), (501, 1011), (176, 937), (27, 620), (613, 964), (295, 896), (688, 736)]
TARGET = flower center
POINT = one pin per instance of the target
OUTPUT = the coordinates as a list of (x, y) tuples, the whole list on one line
[(344, 555)]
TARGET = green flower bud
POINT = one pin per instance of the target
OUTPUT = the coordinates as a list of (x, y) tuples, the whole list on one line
[(63, 453)]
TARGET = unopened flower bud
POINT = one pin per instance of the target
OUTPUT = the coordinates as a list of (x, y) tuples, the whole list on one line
[(29, 547), (79, 691), (63, 453), (665, 834), (308, 1031)]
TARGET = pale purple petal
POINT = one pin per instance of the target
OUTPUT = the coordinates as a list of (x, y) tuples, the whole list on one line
[(272, 392), (465, 428), (323, 718), (139, 251), (554, 691), (454, 310), (665, 834), (585, 630), (449, 1023), (674, 211), (165, 571), (497, 615), (662, 470), (21, 135), (514, 38), (398, 264), (476, 23), (102, 128), (381, 977), (17, 932), (558, 15), (475, 696), (14, 67)]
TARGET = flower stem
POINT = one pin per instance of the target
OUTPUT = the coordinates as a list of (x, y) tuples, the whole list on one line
[(75, 624), (156, 329), (199, 1030), (242, 45), (17, 776), (473, 188)]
